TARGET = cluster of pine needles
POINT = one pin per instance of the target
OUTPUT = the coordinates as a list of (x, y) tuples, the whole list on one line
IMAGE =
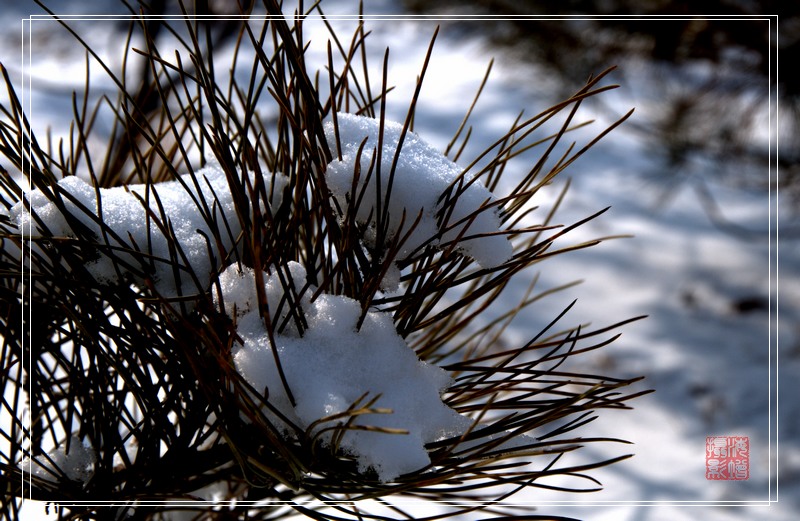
[(148, 380)]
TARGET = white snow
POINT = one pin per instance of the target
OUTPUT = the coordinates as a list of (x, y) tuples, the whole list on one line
[(422, 175), (77, 464), (333, 365), (174, 204)]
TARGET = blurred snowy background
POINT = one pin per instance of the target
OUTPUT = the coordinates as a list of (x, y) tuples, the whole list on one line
[(696, 175)]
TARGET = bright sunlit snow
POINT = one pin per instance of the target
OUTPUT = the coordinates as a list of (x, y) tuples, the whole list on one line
[(422, 176), (335, 366), (173, 204)]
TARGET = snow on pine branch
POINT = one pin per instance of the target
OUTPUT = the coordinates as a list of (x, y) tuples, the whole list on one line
[(422, 176), (76, 463), (334, 364), (125, 214)]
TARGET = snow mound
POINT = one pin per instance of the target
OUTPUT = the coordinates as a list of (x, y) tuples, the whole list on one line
[(334, 364), (422, 176)]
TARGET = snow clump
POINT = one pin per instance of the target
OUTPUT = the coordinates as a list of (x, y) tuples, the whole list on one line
[(333, 364), (125, 211), (77, 464), (422, 176)]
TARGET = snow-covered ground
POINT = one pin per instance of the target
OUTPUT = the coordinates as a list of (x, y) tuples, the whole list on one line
[(716, 371)]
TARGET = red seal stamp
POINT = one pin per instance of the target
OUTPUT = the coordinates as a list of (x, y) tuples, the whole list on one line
[(727, 457)]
